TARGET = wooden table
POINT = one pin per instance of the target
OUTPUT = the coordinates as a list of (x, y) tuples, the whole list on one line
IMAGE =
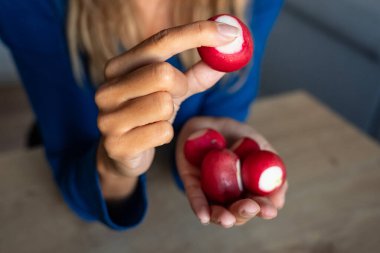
[(333, 203)]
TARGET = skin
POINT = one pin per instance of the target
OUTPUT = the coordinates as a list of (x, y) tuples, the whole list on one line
[(148, 11), (140, 99), (241, 211), (137, 105)]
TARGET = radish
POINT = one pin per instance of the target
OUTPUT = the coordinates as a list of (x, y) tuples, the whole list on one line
[(200, 143), (220, 176), (244, 146), (233, 56), (263, 172)]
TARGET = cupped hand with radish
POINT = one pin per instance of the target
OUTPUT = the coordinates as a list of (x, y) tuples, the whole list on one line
[(242, 208), (141, 96)]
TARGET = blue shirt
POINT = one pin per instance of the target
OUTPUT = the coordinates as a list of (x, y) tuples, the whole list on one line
[(34, 32)]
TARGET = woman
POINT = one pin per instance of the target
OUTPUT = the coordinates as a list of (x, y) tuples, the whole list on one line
[(102, 109)]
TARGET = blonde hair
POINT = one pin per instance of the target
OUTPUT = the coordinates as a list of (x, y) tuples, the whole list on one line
[(97, 30)]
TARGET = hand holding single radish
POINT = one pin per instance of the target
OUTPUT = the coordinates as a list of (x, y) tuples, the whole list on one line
[(141, 96), (240, 211)]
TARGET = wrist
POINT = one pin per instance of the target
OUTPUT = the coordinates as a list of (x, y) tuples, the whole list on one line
[(114, 185)]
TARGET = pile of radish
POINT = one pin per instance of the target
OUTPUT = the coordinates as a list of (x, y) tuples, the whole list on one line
[(227, 174)]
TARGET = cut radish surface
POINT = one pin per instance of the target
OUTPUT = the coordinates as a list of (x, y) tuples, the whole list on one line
[(235, 46), (270, 179), (234, 55), (238, 176), (263, 172)]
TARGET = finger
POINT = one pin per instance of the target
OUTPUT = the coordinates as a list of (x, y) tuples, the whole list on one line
[(197, 199), (244, 210), (267, 209), (172, 41), (149, 79), (137, 112), (278, 197), (200, 77), (130, 145), (221, 216)]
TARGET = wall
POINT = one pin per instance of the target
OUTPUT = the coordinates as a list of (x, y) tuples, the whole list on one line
[(318, 46)]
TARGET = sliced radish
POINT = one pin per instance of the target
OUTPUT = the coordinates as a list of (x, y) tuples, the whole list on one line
[(234, 55), (263, 172)]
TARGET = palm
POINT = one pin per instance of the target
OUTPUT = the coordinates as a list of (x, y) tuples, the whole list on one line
[(242, 210)]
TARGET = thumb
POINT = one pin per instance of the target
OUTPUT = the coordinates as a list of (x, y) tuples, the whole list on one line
[(200, 77)]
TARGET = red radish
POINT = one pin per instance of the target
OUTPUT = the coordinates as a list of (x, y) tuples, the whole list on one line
[(233, 56), (220, 176), (263, 172), (243, 147), (200, 143)]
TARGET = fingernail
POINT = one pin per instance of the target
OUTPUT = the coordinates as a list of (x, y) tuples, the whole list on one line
[(228, 223), (250, 210), (271, 213), (204, 221), (228, 30)]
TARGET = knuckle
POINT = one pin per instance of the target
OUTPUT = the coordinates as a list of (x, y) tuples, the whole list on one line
[(100, 95), (99, 98), (103, 123), (202, 28), (125, 148), (166, 131), (118, 151), (108, 124), (109, 68), (160, 37), (112, 148), (164, 72), (165, 105)]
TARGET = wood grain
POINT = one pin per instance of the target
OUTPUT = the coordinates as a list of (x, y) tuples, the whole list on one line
[(333, 203)]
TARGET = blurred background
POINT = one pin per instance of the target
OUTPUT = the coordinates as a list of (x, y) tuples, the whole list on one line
[(329, 48)]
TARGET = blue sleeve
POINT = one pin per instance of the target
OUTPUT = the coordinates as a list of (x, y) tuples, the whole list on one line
[(66, 112), (232, 96), (78, 180)]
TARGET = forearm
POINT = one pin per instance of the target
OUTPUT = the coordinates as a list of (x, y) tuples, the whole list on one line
[(79, 180)]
